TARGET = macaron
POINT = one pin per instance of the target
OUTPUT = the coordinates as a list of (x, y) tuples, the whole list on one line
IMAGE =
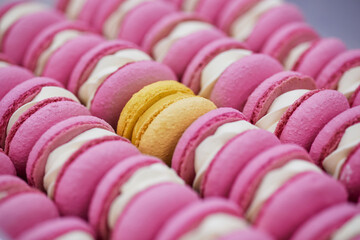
[(133, 191), (342, 74), (226, 73), (70, 159), (299, 48), (288, 105), (355, 100), (61, 228), (10, 76), (176, 38), (57, 49), (22, 207), (30, 109), (338, 222), (336, 149), (21, 22), (5, 61), (156, 117), (247, 234), (211, 218), (282, 183), (254, 21), (79, 10), (107, 76), (6, 165), (130, 20)]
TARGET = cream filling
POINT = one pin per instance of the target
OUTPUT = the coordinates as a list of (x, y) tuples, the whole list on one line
[(274, 180), (279, 106), (180, 31), (75, 235), (295, 54), (59, 40), (189, 5), (17, 12), (349, 82), (142, 179), (213, 70), (349, 230), (74, 8), (208, 148), (242, 27), (335, 161), (4, 64), (3, 195), (215, 226), (112, 24), (59, 156), (45, 93), (104, 68)]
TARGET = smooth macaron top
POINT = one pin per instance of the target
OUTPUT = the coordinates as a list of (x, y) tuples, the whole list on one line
[(11, 185), (6, 166)]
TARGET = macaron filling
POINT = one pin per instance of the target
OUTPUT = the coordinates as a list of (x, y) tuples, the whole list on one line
[(104, 68), (17, 12), (350, 230), (73, 8), (215, 226), (45, 93), (140, 180), (60, 155), (295, 54), (278, 107), (58, 41), (349, 82), (334, 162), (213, 70), (208, 149), (189, 5), (112, 24), (74, 235), (182, 30), (243, 26), (274, 180), (4, 64)]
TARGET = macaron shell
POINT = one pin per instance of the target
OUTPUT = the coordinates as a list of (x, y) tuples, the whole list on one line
[(77, 180), (307, 116), (6, 166), (55, 228), (11, 185), (165, 201), (239, 80), (163, 133), (251, 234), (206, 125), (87, 12), (324, 224), (349, 175), (223, 171), (355, 100), (11, 76), (103, 12), (210, 9), (24, 211)]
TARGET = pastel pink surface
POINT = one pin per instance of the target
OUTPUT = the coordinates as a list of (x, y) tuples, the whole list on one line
[(319, 55), (232, 159), (108, 189), (104, 11), (308, 115), (6, 166), (87, 11), (251, 234), (326, 223), (165, 201), (11, 185), (192, 75), (333, 72), (192, 215), (355, 101), (11, 76), (24, 211), (239, 80), (55, 228), (206, 125), (350, 174), (263, 96)]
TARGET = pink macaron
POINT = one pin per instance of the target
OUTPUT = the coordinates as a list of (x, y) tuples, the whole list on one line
[(62, 228), (130, 20), (5, 60), (176, 39), (30, 109), (336, 149), (355, 100), (254, 21), (6, 165), (22, 207), (82, 11), (11, 76), (132, 191), (288, 105), (57, 49), (281, 183), (108, 75), (338, 222), (247, 234), (21, 22), (70, 159)]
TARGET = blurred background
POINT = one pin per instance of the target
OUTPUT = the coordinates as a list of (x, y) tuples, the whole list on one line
[(336, 18)]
